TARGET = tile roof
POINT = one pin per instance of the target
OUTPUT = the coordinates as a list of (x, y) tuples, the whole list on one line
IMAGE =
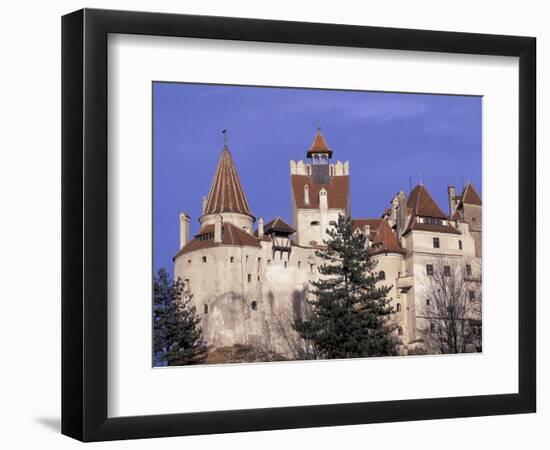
[(231, 235), (278, 224), (337, 191), (319, 145), (470, 196), (226, 193), (381, 235), (422, 204), (456, 215), (415, 225)]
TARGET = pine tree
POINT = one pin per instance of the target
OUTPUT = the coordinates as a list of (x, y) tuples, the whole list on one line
[(349, 311), (177, 335)]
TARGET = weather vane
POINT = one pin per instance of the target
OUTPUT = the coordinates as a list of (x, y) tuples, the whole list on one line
[(224, 132)]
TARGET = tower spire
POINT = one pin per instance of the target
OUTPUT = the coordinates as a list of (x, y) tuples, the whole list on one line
[(226, 192), (224, 133)]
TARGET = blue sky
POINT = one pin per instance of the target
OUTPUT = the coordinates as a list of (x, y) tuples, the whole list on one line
[(389, 138)]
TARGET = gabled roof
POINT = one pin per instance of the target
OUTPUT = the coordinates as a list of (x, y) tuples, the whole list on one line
[(231, 235), (226, 193), (319, 145), (381, 235), (456, 215), (337, 191), (422, 204), (415, 225), (279, 225), (470, 196)]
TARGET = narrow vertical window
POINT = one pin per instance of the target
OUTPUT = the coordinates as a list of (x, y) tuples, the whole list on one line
[(400, 331), (459, 244), (204, 259), (398, 307), (232, 259), (381, 275), (472, 296), (254, 306), (249, 277), (436, 242), (205, 308), (468, 270), (447, 271), (429, 269)]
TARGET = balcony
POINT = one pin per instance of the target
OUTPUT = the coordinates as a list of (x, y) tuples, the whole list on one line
[(404, 283)]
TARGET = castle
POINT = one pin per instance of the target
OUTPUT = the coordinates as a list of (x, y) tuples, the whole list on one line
[(249, 284)]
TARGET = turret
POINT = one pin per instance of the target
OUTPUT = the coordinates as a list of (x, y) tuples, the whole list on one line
[(227, 196)]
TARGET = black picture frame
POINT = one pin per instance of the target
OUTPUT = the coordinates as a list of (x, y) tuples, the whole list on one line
[(84, 224)]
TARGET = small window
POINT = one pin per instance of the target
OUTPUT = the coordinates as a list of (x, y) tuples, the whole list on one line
[(468, 269), (188, 261), (254, 306), (428, 302), (269, 261), (459, 244), (429, 269), (447, 271), (473, 219), (400, 331), (258, 277), (312, 267), (381, 275), (204, 259), (205, 308), (259, 260), (249, 277), (246, 257), (398, 307), (232, 259), (314, 222), (299, 264), (286, 263), (432, 327), (472, 296), (436, 242)]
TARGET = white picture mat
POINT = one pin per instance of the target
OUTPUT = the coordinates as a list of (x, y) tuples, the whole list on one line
[(135, 388)]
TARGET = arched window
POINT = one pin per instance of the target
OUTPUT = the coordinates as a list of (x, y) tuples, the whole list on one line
[(254, 305), (205, 308), (398, 307), (381, 275)]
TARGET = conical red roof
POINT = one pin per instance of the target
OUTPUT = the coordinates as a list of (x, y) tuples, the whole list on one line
[(226, 193), (470, 196), (319, 146)]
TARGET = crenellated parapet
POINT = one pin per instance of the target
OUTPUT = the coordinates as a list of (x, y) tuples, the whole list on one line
[(337, 169)]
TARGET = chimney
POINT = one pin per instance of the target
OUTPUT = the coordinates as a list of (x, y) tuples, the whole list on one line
[(261, 227), (452, 204), (184, 229), (204, 201), (323, 199), (218, 229), (402, 213), (366, 232)]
